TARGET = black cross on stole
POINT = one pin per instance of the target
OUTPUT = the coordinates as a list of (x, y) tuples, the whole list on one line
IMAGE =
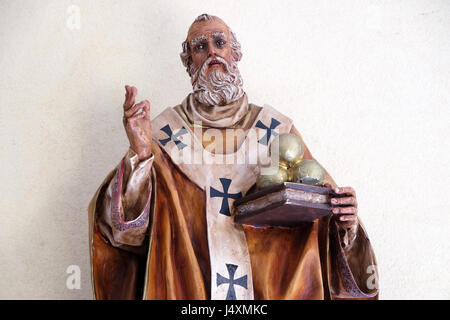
[(273, 124), (173, 137), (225, 208), (242, 281)]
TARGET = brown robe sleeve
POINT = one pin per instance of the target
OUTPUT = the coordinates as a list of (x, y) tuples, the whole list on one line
[(124, 214), (117, 253), (353, 271)]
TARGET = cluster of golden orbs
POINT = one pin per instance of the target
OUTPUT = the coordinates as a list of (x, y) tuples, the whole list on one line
[(291, 166)]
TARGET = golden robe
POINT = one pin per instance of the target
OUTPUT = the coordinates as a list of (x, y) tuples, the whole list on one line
[(171, 260)]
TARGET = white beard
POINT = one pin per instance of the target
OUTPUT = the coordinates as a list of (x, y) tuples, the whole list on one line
[(218, 88)]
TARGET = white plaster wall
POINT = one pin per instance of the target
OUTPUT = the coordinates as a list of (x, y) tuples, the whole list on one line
[(367, 83)]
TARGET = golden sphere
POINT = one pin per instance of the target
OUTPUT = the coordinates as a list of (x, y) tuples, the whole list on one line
[(290, 148), (279, 177), (308, 172)]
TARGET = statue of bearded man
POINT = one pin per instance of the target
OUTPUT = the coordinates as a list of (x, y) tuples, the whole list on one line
[(161, 226)]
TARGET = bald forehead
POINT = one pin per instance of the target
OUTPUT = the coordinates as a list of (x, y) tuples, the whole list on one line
[(207, 28)]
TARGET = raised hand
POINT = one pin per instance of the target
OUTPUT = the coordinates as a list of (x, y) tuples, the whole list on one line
[(136, 120)]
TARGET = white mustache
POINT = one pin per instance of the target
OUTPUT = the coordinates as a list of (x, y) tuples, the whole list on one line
[(196, 72)]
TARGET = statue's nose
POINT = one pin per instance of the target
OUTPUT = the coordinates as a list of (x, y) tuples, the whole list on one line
[(211, 52)]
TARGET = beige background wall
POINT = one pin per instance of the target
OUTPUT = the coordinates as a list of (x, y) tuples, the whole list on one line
[(367, 83)]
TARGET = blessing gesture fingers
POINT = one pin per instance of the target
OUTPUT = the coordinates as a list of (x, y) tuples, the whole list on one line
[(136, 120)]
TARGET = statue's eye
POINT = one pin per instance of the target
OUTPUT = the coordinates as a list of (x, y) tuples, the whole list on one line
[(220, 43), (200, 47)]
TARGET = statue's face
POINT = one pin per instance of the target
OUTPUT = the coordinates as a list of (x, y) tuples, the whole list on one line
[(209, 38)]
